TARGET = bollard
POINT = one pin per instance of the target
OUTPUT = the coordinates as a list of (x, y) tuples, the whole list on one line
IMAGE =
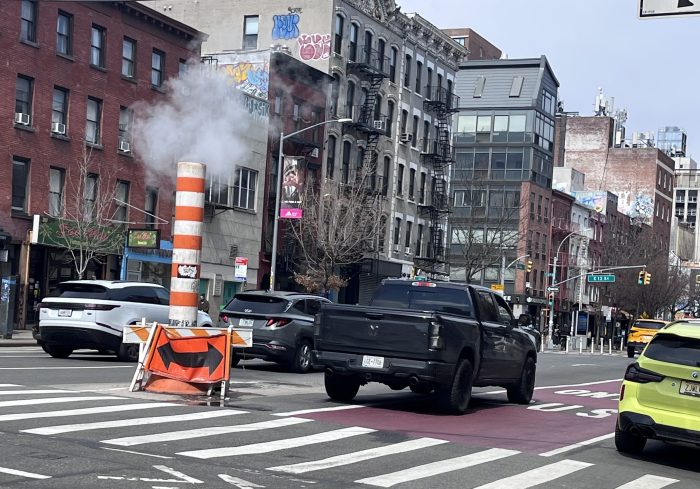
[(568, 339), (601, 346), (609, 347), (622, 345), (580, 348), (592, 346)]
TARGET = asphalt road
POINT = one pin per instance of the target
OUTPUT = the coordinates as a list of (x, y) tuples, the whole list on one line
[(73, 424)]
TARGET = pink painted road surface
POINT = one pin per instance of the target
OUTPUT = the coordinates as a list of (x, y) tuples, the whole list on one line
[(558, 417)]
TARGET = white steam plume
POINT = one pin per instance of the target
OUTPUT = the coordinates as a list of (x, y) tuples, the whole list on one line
[(201, 120)]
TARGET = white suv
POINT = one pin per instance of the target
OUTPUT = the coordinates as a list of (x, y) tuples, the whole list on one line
[(90, 314)]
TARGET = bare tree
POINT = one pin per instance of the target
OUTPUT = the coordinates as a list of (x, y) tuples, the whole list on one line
[(86, 225), (340, 225)]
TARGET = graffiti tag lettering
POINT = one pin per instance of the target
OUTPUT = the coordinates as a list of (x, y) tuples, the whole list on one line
[(253, 79), (285, 26), (314, 46)]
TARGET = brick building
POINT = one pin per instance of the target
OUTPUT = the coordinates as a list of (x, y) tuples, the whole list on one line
[(73, 70), (478, 46)]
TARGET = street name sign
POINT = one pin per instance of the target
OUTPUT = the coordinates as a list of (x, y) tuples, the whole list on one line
[(667, 8), (552, 289), (604, 278)]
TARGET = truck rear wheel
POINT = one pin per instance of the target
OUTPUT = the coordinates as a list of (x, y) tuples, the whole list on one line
[(57, 351), (454, 398), (521, 392), (341, 388)]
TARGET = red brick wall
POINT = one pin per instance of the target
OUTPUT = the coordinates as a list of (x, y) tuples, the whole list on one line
[(48, 69), (537, 221)]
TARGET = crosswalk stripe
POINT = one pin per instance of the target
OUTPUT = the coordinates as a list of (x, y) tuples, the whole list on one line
[(34, 391), (22, 473), (436, 468), (119, 423), (649, 482), (360, 456), (56, 400), (537, 476), (319, 410), (91, 410), (11, 385), (273, 446), (202, 432)]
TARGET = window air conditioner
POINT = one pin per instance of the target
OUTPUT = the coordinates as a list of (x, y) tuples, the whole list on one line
[(408, 250), (124, 146), (314, 153), (58, 128), (406, 137), (379, 124), (21, 118), (397, 248)]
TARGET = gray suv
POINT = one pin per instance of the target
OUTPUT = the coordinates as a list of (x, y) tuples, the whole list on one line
[(283, 325)]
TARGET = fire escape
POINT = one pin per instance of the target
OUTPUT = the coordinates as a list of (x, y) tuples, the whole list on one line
[(369, 124), (437, 153)]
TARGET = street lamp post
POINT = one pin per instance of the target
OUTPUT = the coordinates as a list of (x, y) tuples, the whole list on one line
[(278, 186)]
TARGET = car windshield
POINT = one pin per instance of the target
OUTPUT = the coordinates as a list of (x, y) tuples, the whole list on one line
[(79, 291), (674, 349), (649, 324), (259, 304)]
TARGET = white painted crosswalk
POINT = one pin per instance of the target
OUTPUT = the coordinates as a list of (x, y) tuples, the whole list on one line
[(389, 463)]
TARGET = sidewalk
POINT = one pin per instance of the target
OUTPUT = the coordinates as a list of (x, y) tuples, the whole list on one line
[(20, 337)]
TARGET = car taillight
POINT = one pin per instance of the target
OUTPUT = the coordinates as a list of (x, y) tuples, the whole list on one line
[(435, 338), (276, 323), (224, 318), (100, 307), (635, 373)]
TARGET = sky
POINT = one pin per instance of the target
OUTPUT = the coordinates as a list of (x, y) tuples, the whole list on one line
[(650, 66)]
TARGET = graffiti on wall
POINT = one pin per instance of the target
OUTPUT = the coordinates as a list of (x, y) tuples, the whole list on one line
[(314, 46), (286, 26), (637, 205), (595, 200), (249, 72)]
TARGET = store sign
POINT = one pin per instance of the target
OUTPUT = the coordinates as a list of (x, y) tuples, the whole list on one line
[(143, 238), (240, 271), (68, 234)]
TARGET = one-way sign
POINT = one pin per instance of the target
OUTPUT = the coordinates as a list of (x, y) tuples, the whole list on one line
[(664, 8)]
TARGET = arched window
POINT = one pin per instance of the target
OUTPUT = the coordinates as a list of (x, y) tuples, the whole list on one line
[(352, 47), (339, 27), (350, 100)]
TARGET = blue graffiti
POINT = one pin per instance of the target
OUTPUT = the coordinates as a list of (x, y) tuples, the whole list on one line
[(285, 26)]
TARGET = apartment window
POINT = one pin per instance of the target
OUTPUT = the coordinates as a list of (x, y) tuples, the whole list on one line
[(150, 206), (479, 88), (20, 184), (419, 241), (330, 157), (251, 24), (157, 67), (335, 94), (517, 86), (409, 226), (24, 91), (94, 114), (421, 191), (426, 135), (181, 67), (28, 23), (390, 106), (56, 185), (386, 175), (59, 108), (429, 86), (367, 48), (407, 72), (296, 115), (392, 64), (397, 231), (378, 108), (126, 117), (404, 121), (97, 48), (350, 99), (128, 57), (244, 188), (121, 199), (399, 180), (412, 183), (90, 195), (419, 74), (352, 47), (339, 26), (414, 132), (381, 53), (345, 176), (64, 33)]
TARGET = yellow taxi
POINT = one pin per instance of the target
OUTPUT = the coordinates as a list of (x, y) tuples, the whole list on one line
[(660, 396), (641, 332)]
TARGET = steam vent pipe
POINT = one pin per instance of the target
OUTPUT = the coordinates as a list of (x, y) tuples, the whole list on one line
[(187, 244)]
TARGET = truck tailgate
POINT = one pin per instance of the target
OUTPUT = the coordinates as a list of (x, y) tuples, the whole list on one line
[(373, 331)]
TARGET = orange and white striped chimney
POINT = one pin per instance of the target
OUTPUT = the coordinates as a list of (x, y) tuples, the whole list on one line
[(187, 244)]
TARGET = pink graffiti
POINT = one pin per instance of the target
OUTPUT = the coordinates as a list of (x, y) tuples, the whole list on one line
[(314, 46)]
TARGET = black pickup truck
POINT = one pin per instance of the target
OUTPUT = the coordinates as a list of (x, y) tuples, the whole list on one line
[(430, 336)]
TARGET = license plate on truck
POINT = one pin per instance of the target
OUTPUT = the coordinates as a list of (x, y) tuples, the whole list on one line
[(372, 362), (65, 313), (690, 388), (246, 323)]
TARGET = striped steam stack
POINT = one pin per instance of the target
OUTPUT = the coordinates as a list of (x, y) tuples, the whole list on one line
[(187, 244)]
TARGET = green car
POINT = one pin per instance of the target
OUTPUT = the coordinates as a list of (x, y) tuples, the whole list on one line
[(660, 396)]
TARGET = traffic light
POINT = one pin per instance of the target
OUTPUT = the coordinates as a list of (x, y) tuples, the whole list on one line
[(528, 267), (647, 278), (641, 277), (551, 300)]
